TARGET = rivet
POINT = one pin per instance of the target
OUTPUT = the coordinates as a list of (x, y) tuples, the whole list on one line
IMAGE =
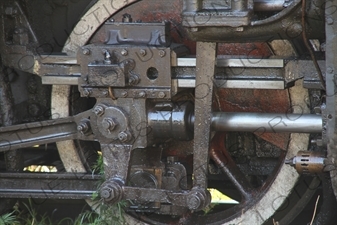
[(329, 20), (161, 95), (124, 52), (86, 51)]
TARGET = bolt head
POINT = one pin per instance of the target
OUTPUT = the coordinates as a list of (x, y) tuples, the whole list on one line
[(86, 92), (124, 52), (107, 194), (109, 124), (193, 202), (105, 93), (124, 94), (86, 51), (123, 136), (10, 11), (142, 94), (161, 95), (329, 20), (80, 128), (162, 53), (127, 18), (98, 110), (83, 127), (142, 52), (194, 29)]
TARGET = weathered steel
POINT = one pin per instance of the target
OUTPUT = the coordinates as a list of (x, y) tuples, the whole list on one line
[(236, 62), (330, 111), (117, 159), (267, 122), (205, 69), (243, 84), (51, 185), (13, 159), (284, 25), (36, 133)]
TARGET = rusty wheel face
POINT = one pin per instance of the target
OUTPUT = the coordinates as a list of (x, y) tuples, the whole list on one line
[(247, 167)]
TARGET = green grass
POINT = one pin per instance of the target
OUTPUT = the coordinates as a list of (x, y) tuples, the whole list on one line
[(108, 214)]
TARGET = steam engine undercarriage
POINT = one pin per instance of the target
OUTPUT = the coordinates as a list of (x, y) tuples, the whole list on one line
[(177, 98)]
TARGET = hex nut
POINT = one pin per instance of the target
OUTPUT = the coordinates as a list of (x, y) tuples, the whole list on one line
[(111, 191), (98, 110), (123, 136), (86, 92), (109, 123), (193, 202), (107, 193), (162, 53), (142, 52), (198, 199), (83, 126)]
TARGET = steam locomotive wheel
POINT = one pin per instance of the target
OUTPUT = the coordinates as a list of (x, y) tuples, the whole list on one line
[(270, 197)]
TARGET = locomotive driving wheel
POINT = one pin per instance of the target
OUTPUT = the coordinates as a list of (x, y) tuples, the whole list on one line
[(270, 191)]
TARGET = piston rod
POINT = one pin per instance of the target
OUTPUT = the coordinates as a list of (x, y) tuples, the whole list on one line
[(178, 122), (267, 122)]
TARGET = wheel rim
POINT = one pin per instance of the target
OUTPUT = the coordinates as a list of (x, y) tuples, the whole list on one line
[(278, 191)]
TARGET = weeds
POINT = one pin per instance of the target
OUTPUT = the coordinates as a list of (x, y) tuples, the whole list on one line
[(108, 214), (8, 219)]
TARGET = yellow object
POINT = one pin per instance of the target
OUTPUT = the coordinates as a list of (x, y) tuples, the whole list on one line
[(218, 197)]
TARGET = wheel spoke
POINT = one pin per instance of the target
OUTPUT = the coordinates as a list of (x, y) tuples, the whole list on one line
[(224, 161)]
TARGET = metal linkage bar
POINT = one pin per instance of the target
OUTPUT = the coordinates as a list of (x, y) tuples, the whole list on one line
[(245, 84), (194, 200), (118, 157), (51, 185), (42, 132), (64, 70), (243, 62), (205, 69)]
